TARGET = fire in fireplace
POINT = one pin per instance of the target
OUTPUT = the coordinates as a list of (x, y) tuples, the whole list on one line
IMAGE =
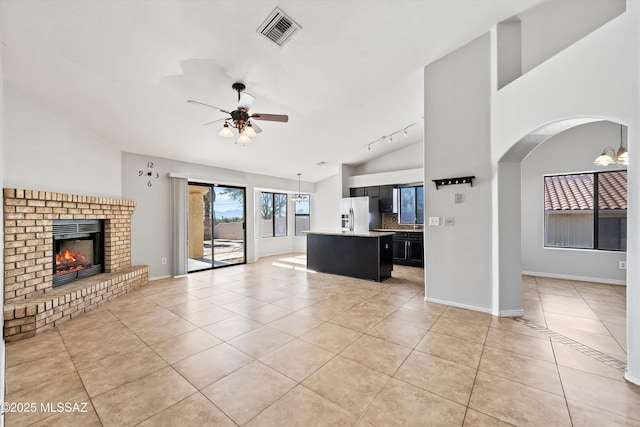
[(77, 249)]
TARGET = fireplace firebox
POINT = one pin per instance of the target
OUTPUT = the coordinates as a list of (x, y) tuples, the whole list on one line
[(78, 247)]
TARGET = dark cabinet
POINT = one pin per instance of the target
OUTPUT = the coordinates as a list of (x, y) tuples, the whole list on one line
[(357, 192), (386, 198), (408, 248), (373, 192), (363, 257)]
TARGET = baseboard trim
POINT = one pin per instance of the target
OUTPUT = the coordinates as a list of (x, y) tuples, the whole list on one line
[(512, 313), (455, 304), (576, 278), (631, 378)]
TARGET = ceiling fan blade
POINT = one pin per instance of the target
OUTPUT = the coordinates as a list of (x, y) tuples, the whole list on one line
[(271, 117), (256, 128), (213, 122), (246, 101), (191, 101)]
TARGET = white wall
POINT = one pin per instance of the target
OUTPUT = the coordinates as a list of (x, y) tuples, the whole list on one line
[(633, 223), (552, 94), (571, 151), (552, 27), (2, 156), (409, 157), (457, 143), (597, 77), (150, 228), (325, 204), (45, 151)]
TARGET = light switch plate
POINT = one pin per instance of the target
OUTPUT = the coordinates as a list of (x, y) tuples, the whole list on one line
[(448, 221), (434, 221), (457, 198)]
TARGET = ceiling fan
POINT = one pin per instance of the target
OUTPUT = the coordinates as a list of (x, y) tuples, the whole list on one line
[(240, 117)]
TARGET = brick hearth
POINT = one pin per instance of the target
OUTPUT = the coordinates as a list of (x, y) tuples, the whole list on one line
[(31, 303)]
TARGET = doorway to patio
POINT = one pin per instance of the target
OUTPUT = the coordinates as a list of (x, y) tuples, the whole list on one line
[(216, 226)]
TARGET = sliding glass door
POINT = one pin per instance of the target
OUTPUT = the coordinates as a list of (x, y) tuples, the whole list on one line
[(216, 226)]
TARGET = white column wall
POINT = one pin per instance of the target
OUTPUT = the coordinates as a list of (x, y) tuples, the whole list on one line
[(457, 143), (2, 157), (325, 204), (633, 224)]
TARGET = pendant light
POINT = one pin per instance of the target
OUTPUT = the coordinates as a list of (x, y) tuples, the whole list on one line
[(299, 197), (621, 157)]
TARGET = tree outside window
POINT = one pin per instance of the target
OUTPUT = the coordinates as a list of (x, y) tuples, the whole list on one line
[(273, 211)]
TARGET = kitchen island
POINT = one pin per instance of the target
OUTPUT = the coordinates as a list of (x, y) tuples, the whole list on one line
[(367, 255)]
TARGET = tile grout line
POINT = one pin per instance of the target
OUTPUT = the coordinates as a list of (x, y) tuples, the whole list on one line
[(575, 345)]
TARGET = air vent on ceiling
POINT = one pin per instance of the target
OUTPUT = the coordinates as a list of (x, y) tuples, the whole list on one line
[(278, 27)]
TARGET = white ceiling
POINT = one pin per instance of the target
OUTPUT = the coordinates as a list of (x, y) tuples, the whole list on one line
[(124, 70)]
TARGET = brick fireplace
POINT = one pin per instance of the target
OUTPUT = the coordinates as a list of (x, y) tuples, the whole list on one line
[(32, 304)]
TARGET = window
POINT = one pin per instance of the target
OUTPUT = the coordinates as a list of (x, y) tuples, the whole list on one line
[(301, 212), (412, 205), (586, 211), (273, 210)]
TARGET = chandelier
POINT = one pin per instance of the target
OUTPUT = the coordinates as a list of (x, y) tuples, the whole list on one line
[(300, 197), (621, 157)]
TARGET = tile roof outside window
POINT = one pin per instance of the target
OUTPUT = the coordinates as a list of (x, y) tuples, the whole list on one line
[(575, 192)]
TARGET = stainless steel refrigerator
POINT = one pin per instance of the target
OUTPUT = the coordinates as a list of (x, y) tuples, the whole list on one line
[(359, 214)]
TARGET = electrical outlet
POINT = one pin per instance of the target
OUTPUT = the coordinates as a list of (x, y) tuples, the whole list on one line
[(622, 265), (448, 221), (434, 221), (164, 261)]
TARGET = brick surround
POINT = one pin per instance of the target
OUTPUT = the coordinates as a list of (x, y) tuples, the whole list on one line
[(31, 303)]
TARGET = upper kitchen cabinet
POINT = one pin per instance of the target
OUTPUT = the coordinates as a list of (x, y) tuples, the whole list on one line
[(386, 199), (356, 192), (373, 192)]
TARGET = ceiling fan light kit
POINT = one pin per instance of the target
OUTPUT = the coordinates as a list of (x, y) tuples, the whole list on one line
[(226, 131), (240, 119)]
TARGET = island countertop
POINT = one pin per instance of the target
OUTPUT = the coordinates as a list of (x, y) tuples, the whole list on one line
[(400, 230), (352, 233)]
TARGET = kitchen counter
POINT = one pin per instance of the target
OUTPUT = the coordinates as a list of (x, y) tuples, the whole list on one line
[(401, 230), (375, 233), (367, 255)]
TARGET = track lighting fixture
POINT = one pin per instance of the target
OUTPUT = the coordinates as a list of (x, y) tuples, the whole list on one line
[(389, 138)]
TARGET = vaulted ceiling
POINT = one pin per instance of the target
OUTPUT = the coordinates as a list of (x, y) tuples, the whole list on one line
[(353, 73)]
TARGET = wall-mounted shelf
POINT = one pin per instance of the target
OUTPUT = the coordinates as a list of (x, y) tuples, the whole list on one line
[(451, 181)]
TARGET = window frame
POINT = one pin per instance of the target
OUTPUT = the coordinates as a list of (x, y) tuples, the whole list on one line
[(595, 226), (415, 204), (296, 215), (273, 214)]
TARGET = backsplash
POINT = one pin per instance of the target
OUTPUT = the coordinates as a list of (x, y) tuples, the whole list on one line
[(390, 221)]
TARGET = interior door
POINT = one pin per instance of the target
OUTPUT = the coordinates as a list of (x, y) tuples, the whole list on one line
[(216, 226)]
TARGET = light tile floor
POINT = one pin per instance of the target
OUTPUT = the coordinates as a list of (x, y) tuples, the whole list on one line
[(270, 344)]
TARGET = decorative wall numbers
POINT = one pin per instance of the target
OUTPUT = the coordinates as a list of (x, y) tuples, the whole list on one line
[(149, 174)]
